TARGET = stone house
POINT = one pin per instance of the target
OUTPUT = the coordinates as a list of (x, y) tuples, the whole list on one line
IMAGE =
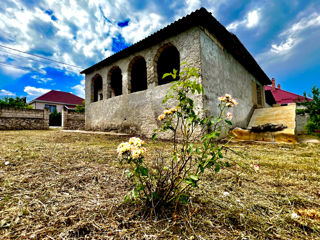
[(56, 101), (124, 92)]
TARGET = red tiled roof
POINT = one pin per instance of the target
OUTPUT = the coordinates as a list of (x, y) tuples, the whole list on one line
[(284, 97), (60, 97)]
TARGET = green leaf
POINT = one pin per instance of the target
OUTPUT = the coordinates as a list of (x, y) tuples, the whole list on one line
[(154, 136), (155, 195), (217, 168), (127, 198), (220, 154), (194, 177), (185, 199), (166, 75), (142, 170), (228, 122), (140, 187)]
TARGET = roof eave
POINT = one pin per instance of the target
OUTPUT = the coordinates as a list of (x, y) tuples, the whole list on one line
[(202, 18)]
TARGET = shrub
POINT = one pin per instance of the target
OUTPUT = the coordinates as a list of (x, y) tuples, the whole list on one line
[(313, 109), (80, 108), (17, 102), (169, 180)]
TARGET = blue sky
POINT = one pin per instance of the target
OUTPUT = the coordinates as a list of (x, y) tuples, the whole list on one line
[(283, 36)]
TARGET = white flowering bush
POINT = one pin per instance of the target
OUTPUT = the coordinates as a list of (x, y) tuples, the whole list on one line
[(169, 180)]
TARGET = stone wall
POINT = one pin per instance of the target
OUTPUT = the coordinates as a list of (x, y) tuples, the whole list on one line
[(23, 119), (301, 122), (222, 73), (72, 120)]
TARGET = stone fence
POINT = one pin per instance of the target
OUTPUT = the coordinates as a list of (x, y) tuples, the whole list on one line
[(23, 119), (301, 122), (72, 120)]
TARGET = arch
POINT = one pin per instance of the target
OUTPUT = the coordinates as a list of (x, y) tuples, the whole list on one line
[(137, 72), (167, 59), (114, 82), (96, 88)]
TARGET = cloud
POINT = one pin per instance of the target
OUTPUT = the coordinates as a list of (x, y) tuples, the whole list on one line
[(193, 5), (287, 48), (4, 92), (41, 79), (34, 92), (250, 21), (79, 89)]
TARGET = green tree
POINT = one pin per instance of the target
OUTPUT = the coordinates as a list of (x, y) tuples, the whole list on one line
[(81, 108), (17, 102), (313, 109)]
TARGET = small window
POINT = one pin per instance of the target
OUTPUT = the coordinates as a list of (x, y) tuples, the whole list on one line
[(52, 108)]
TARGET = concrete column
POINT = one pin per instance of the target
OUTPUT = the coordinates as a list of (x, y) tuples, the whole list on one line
[(125, 79), (151, 74), (46, 114), (64, 118)]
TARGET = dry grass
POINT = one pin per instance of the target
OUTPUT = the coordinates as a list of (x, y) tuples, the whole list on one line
[(70, 186)]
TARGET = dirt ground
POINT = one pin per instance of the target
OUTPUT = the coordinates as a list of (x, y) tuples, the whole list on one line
[(62, 185)]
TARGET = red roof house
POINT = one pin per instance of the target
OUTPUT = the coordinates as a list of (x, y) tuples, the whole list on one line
[(281, 96), (56, 100)]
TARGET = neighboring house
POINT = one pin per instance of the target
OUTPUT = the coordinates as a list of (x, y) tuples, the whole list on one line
[(124, 92), (56, 101), (275, 95)]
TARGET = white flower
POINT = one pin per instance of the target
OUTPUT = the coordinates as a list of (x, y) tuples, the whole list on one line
[(123, 147), (294, 215), (7, 163), (135, 141), (229, 115), (226, 194)]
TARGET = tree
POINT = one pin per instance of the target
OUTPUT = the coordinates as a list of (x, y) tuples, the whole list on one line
[(81, 108), (17, 102), (313, 109)]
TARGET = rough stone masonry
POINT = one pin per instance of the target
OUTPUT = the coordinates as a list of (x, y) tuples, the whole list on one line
[(23, 119)]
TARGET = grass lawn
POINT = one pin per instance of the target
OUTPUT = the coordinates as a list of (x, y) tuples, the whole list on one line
[(56, 185)]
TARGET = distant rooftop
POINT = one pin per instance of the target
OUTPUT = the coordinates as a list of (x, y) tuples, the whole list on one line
[(282, 96), (59, 97)]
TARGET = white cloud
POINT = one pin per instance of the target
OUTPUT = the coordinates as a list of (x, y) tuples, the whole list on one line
[(288, 41), (79, 89), (4, 92), (41, 79), (284, 47), (253, 19), (250, 21), (193, 5), (34, 92)]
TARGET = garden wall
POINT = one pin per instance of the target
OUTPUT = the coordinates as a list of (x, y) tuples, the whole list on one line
[(23, 119), (301, 122), (73, 120)]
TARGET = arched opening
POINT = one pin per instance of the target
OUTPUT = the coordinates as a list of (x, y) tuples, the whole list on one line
[(115, 80), (138, 74), (96, 92), (168, 59)]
